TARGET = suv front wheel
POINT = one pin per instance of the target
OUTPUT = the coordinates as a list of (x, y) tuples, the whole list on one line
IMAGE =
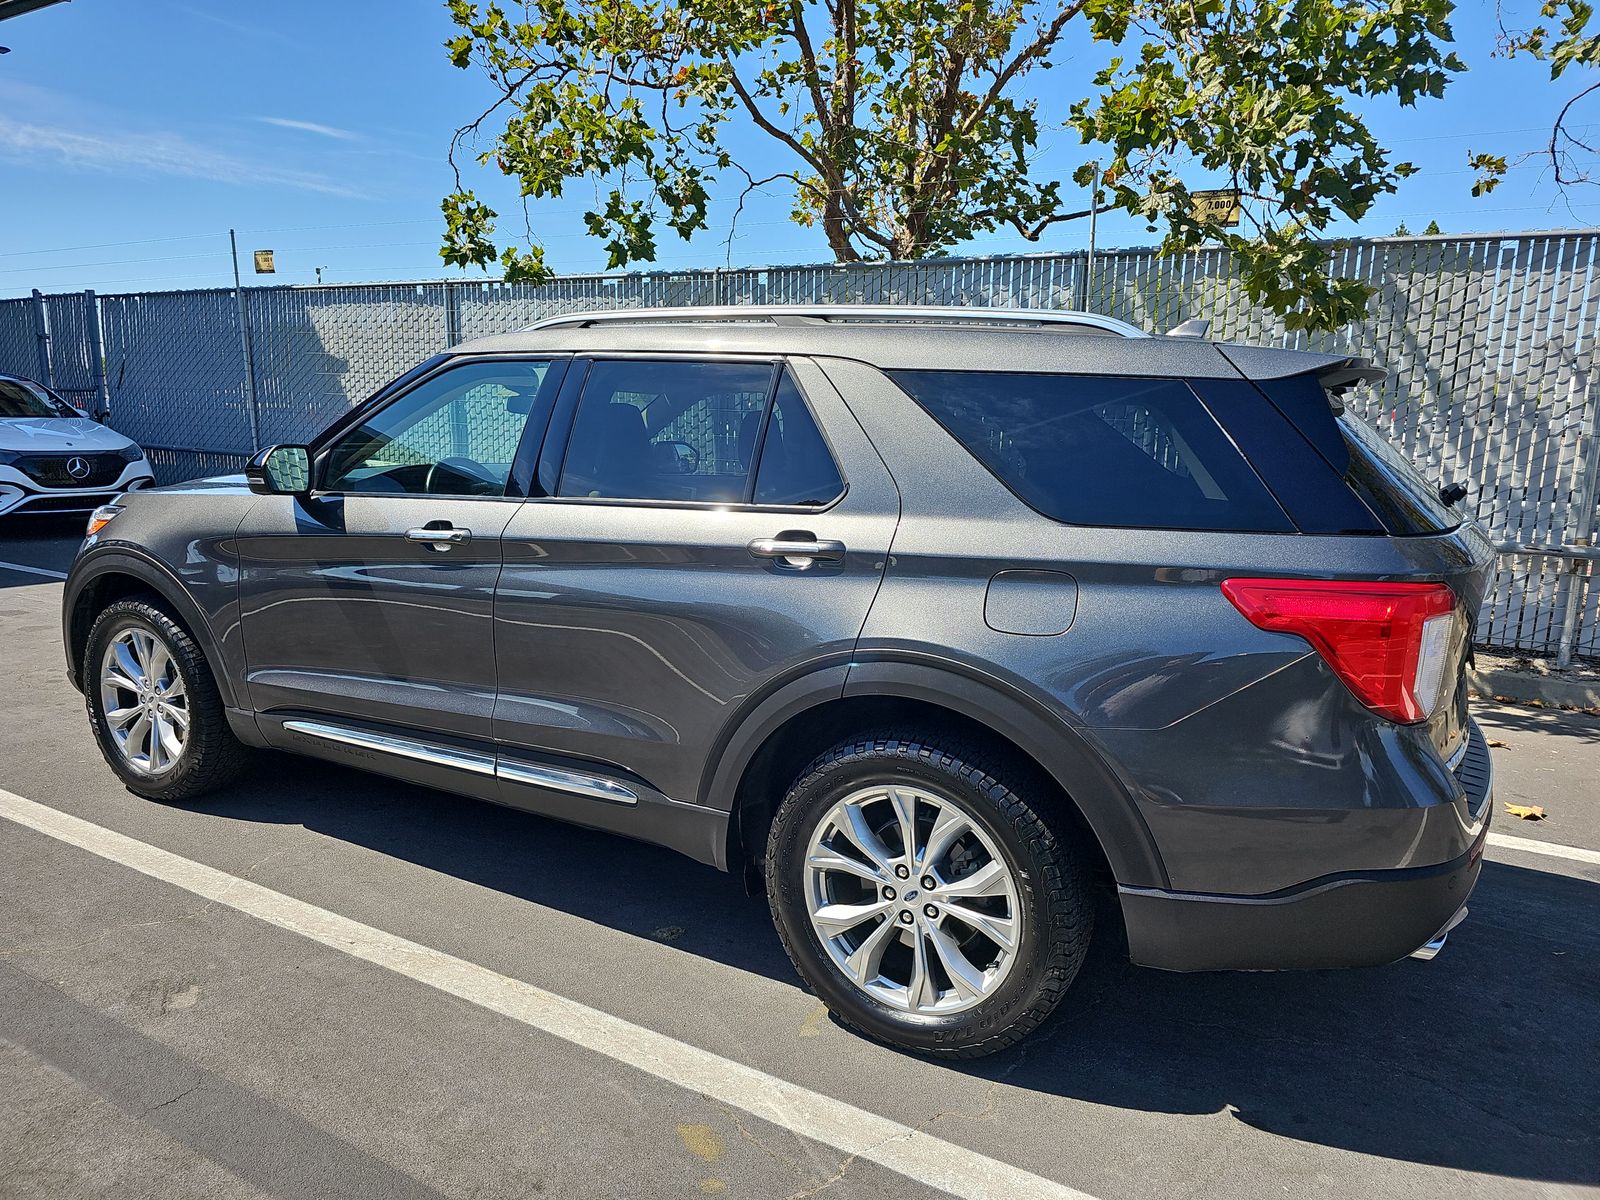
[(154, 705), (928, 904)]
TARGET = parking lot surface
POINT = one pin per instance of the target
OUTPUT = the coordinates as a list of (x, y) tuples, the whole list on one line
[(491, 1004)]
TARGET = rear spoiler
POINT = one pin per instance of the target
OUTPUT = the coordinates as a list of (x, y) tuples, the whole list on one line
[(1351, 373), (1336, 372)]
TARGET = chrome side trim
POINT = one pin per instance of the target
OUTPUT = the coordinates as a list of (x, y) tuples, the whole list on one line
[(427, 752), (591, 786), (578, 784)]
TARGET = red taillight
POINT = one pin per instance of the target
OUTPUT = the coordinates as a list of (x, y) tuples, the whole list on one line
[(1384, 640)]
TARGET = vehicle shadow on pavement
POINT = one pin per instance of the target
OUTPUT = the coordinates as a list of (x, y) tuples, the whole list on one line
[(1555, 722), (643, 890), (45, 542), (1484, 1060)]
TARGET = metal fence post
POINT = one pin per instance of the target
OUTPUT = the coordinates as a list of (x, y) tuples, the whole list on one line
[(452, 315), (1088, 258), (41, 340), (244, 344), (97, 355), (1583, 530)]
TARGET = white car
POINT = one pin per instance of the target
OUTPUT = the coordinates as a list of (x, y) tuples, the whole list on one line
[(53, 459)]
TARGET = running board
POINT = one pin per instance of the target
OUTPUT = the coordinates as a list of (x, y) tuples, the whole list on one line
[(576, 783)]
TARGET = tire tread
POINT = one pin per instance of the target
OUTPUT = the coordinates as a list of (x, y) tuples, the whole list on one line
[(218, 756), (1063, 889)]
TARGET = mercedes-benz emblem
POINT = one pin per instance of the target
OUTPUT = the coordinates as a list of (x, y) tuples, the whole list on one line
[(78, 467)]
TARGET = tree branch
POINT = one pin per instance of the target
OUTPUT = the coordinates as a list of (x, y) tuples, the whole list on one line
[(1030, 232), (1558, 131), (1033, 50), (472, 126), (821, 164)]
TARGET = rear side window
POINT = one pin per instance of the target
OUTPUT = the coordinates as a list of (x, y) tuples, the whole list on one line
[(1372, 467), (665, 430), (701, 432), (1097, 450), (795, 466)]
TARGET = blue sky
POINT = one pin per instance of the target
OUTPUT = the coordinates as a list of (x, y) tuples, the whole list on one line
[(134, 135)]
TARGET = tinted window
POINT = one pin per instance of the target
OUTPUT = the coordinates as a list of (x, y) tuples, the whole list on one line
[(795, 465), (1314, 495), (1096, 450), (1370, 465), (1390, 484), (666, 431), (18, 399), (453, 435)]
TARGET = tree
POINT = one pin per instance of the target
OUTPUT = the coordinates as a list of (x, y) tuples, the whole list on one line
[(905, 127), (1564, 45)]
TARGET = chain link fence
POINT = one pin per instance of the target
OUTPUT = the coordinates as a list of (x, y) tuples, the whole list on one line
[(1489, 344)]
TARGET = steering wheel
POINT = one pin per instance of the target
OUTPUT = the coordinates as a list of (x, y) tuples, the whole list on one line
[(445, 477)]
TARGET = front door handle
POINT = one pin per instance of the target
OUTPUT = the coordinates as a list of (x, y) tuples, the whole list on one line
[(798, 550), (440, 536)]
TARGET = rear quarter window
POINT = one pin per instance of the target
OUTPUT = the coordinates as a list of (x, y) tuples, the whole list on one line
[(1372, 467), (1098, 450)]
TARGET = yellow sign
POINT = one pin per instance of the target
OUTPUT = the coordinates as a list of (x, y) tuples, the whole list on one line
[(1216, 208), (264, 263)]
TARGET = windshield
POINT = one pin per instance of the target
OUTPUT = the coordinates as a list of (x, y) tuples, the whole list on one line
[(20, 399)]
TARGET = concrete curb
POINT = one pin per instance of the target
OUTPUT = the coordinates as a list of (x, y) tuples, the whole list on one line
[(1532, 687)]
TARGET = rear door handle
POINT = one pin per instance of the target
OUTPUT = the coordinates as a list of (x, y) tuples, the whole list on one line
[(439, 537), (798, 550)]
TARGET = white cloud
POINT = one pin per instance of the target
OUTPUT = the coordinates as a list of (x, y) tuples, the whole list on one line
[(255, 32), (154, 154), (344, 135)]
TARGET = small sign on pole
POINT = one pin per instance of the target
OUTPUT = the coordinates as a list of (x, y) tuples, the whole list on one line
[(1217, 207), (264, 263)]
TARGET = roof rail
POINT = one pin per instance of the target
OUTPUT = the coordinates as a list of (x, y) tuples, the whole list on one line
[(818, 314)]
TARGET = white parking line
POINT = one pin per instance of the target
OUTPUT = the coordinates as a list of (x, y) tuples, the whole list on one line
[(48, 574), (1554, 849), (853, 1131)]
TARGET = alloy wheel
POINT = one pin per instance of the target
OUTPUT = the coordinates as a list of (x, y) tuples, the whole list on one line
[(912, 900), (144, 701)]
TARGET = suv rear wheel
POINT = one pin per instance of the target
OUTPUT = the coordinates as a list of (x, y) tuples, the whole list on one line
[(928, 904), (154, 705)]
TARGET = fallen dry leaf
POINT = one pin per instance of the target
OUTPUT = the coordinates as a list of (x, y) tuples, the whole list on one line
[(1497, 745), (1528, 812)]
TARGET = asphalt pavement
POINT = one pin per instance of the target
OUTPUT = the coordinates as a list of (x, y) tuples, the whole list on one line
[(491, 1004)]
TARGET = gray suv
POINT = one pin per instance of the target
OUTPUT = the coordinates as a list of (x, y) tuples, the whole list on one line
[(942, 625)]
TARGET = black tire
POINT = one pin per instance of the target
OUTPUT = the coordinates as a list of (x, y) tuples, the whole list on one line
[(1056, 907), (211, 754)]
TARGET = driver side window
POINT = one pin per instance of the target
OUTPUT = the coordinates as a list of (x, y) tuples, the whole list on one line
[(453, 435)]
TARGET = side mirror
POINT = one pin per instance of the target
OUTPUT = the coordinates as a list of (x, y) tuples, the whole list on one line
[(280, 471)]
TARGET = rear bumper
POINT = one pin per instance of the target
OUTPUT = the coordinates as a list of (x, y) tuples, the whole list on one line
[(1352, 919)]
